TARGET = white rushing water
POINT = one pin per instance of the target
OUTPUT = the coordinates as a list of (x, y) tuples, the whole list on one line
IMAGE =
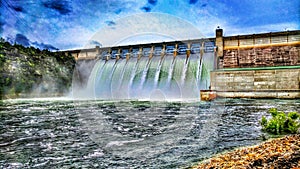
[(167, 77)]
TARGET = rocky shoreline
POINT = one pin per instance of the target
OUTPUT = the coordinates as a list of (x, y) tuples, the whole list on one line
[(279, 153)]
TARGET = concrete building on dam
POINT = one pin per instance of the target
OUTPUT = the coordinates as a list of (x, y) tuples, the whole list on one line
[(258, 66), (265, 65)]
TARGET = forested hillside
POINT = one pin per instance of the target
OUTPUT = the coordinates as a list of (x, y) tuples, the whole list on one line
[(31, 72)]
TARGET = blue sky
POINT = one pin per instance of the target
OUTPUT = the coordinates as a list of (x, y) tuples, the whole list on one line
[(71, 24)]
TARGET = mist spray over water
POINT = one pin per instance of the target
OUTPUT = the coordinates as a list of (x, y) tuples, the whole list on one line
[(143, 94), (145, 76)]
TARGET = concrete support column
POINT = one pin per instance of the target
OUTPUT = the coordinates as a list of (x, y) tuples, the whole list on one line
[(76, 55), (108, 54), (140, 53), (128, 54), (97, 50), (119, 53), (163, 51), (188, 50), (201, 50), (175, 50), (151, 52)]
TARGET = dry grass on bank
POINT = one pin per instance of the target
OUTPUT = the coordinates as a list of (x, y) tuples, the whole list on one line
[(278, 153)]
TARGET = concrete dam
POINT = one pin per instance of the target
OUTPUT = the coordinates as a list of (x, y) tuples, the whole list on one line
[(171, 70), (255, 66)]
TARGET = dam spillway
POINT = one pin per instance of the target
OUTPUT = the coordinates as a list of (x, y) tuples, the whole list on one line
[(251, 66), (156, 72)]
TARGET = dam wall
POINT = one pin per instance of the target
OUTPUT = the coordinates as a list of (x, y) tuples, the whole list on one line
[(283, 82), (91, 53), (170, 70), (262, 65), (258, 66)]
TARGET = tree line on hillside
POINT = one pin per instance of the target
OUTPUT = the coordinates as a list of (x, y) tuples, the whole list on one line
[(26, 70)]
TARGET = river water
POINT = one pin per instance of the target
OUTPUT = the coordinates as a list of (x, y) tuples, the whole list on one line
[(63, 133)]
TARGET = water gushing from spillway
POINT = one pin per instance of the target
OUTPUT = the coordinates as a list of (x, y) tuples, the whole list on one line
[(179, 77), (156, 77)]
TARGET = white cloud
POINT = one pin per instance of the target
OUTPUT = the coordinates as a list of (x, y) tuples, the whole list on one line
[(87, 18), (162, 25), (76, 35)]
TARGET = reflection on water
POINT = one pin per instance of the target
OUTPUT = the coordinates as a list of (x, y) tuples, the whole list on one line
[(137, 134)]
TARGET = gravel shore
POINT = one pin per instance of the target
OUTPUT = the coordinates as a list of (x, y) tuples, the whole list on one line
[(277, 153)]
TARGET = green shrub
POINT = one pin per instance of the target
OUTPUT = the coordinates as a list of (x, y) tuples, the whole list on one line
[(264, 121), (273, 112), (294, 115), (281, 122)]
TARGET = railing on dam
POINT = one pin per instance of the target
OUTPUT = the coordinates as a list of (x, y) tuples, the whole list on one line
[(262, 40)]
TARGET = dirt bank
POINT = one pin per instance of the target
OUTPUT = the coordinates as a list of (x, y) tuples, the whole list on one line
[(276, 153)]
